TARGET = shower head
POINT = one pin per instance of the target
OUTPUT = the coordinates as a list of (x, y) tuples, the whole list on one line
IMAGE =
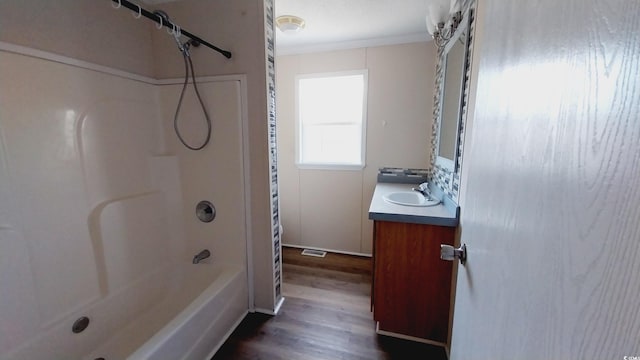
[(189, 43), (185, 46)]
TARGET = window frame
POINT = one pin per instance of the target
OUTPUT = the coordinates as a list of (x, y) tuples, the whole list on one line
[(363, 127)]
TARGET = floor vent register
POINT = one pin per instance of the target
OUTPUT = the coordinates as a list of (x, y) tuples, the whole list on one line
[(316, 253)]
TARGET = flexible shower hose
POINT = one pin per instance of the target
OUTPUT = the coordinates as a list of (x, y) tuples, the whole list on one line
[(188, 64)]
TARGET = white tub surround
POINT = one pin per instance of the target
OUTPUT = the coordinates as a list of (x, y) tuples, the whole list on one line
[(97, 218)]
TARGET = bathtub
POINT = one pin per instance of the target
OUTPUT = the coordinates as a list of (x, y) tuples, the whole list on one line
[(184, 311)]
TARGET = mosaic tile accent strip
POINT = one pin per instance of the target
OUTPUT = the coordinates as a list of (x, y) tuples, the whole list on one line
[(446, 180), (403, 176), (269, 33)]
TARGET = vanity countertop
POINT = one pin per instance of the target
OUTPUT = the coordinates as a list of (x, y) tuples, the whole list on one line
[(430, 215)]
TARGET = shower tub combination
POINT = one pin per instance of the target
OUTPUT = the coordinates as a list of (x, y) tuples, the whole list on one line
[(117, 249), (108, 271)]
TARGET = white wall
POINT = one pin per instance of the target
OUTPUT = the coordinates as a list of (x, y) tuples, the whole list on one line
[(86, 30), (329, 209)]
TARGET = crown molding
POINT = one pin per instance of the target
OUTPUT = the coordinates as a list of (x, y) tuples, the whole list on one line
[(344, 45)]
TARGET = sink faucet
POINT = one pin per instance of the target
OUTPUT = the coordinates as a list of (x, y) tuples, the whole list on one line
[(423, 189), (201, 256)]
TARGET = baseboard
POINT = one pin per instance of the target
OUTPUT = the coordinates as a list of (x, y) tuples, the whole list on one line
[(271, 312), (292, 256), (410, 338), (328, 250), (279, 305)]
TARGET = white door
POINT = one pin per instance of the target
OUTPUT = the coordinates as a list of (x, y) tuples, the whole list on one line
[(551, 193)]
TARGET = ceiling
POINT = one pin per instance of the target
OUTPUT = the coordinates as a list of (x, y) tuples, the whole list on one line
[(342, 24)]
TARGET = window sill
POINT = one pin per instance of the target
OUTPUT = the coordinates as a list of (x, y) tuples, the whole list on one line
[(347, 167)]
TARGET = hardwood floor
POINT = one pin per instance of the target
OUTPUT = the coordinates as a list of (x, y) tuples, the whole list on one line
[(325, 316)]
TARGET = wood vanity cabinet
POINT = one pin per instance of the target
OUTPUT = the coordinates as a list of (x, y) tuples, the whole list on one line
[(411, 284)]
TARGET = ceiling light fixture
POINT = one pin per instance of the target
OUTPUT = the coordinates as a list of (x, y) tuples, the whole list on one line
[(289, 24), (442, 24), (443, 34)]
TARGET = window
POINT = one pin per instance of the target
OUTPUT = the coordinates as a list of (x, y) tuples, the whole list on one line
[(331, 110)]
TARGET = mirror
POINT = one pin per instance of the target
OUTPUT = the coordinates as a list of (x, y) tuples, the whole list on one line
[(455, 55)]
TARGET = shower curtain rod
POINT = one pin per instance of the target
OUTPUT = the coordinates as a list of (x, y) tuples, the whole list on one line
[(149, 15)]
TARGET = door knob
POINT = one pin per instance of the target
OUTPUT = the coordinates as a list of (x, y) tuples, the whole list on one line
[(449, 253)]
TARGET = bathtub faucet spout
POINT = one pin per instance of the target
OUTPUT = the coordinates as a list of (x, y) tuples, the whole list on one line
[(201, 256)]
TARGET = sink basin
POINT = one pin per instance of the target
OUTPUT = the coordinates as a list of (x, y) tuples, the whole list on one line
[(409, 198)]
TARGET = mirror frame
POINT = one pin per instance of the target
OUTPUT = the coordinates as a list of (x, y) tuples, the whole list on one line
[(447, 178), (452, 165)]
